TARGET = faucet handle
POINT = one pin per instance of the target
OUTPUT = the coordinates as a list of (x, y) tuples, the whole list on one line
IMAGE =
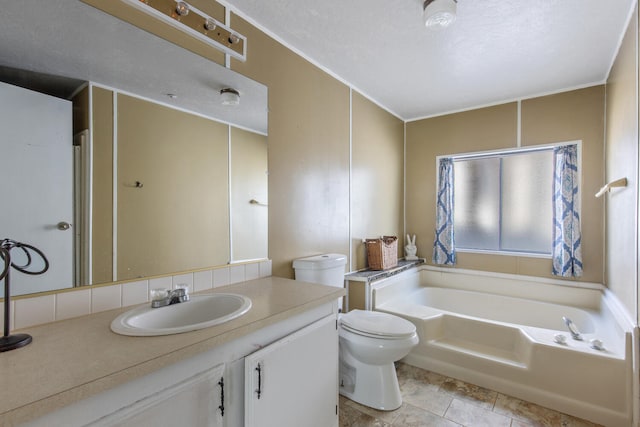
[(180, 293), (158, 294), (573, 329), (181, 290)]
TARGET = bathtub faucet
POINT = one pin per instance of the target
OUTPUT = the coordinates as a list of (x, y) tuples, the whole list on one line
[(573, 329)]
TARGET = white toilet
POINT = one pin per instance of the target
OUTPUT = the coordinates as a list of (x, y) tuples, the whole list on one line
[(370, 341)]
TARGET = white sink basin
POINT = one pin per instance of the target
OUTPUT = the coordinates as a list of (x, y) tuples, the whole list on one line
[(200, 312)]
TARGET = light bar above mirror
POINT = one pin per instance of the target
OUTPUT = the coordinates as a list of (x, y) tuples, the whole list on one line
[(186, 18)]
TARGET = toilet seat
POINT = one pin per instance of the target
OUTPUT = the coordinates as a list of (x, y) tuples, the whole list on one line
[(375, 324)]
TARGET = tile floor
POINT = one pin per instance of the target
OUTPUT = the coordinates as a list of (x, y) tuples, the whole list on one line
[(430, 399)]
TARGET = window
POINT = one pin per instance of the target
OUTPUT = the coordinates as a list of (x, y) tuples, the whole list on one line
[(503, 201)]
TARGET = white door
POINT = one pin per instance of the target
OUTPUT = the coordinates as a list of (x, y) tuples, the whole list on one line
[(294, 381), (37, 183)]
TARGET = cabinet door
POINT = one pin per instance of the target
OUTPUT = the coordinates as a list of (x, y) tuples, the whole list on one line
[(195, 402), (294, 381)]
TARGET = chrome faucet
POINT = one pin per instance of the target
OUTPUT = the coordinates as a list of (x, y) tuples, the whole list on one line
[(573, 329), (164, 297)]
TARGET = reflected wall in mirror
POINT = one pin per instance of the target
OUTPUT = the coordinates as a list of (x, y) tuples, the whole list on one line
[(172, 190), (156, 190), (249, 197)]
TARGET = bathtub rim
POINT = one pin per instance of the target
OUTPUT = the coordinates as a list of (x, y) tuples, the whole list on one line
[(605, 295), (519, 277), (585, 295)]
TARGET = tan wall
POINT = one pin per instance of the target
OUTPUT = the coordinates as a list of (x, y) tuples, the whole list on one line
[(568, 116), (377, 177), (309, 146), (179, 158), (308, 151), (622, 161), (249, 228), (102, 232), (477, 130), (574, 115)]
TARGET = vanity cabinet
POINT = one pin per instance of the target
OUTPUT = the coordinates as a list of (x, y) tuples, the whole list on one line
[(195, 401), (294, 381), (297, 380)]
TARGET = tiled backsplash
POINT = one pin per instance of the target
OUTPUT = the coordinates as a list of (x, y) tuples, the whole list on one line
[(36, 310)]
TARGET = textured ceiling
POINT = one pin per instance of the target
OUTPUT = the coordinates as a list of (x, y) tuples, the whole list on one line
[(497, 50)]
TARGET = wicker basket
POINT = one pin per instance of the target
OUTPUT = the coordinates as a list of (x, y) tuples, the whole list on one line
[(382, 253)]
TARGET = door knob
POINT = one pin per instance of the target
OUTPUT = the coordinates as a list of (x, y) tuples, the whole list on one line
[(62, 225)]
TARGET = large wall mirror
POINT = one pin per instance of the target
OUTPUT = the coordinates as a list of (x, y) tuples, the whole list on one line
[(153, 173)]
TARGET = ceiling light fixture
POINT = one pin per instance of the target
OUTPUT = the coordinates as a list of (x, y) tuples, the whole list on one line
[(230, 96), (186, 18), (439, 13)]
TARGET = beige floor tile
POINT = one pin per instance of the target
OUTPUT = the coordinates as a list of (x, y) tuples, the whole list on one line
[(351, 417), (407, 372), (534, 414), (342, 400), (569, 421), (471, 415), (411, 416), (387, 416), (434, 400), (480, 396), (566, 421), (519, 423), (425, 396)]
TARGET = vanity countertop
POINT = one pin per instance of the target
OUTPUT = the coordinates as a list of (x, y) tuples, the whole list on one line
[(73, 359)]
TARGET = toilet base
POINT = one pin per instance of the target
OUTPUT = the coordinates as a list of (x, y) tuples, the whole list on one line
[(375, 386)]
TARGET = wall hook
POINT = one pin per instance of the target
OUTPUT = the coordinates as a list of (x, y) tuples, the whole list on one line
[(134, 184)]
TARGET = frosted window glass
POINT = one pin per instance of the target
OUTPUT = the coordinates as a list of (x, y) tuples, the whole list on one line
[(477, 203), (504, 202), (527, 181)]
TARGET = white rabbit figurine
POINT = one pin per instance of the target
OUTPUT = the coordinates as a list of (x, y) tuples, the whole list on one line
[(410, 249)]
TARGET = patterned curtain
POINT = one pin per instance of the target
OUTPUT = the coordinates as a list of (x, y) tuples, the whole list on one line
[(444, 245), (567, 252)]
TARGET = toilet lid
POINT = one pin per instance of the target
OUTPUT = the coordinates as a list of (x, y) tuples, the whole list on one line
[(377, 324)]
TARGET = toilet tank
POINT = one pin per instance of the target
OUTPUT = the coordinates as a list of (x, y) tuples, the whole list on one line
[(327, 269)]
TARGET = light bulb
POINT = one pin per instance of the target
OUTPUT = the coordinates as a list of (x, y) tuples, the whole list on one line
[(182, 8), (210, 25), (439, 13), (230, 96)]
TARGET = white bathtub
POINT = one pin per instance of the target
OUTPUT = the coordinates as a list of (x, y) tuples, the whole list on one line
[(500, 340)]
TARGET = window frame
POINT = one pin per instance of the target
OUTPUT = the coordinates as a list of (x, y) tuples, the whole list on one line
[(508, 151)]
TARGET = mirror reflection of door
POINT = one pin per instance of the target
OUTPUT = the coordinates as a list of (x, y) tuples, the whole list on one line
[(37, 137)]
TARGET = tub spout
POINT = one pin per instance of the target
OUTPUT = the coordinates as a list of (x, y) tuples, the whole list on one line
[(573, 329)]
